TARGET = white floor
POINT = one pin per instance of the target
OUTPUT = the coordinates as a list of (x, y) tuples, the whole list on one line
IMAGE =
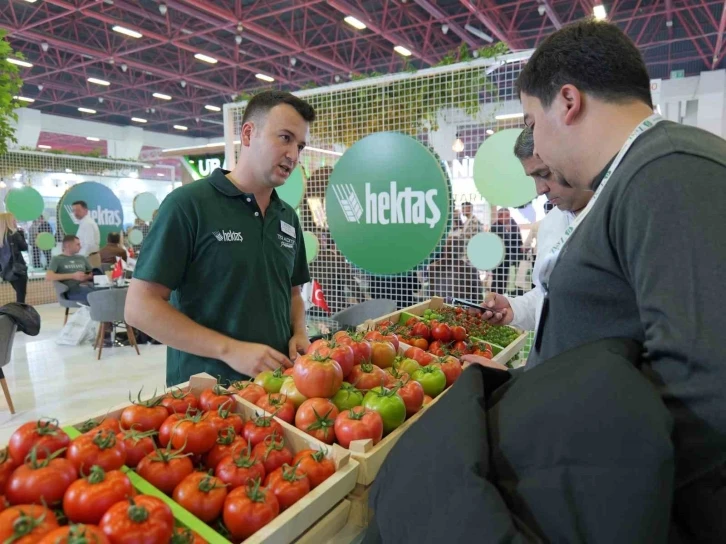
[(67, 382)]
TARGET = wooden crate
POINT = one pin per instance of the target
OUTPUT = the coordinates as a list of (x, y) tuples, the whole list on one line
[(329, 526), (294, 521)]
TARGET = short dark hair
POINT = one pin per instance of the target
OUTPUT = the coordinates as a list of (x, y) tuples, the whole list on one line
[(81, 203), (524, 146), (467, 203), (263, 102), (113, 238), (594, 56), (69, 238)]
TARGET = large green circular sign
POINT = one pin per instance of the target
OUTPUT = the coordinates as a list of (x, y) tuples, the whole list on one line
[(145, 204), (136, 236), (294, 188), (26, 203), (103, 206), (45, 241), (387, 203), (498, 174), (485, 251), (312, 245)]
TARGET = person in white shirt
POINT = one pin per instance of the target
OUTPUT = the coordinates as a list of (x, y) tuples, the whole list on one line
[(88, 232), (523, 312)]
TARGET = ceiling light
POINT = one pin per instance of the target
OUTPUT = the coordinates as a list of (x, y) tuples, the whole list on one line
[(19, 62), (509, 116), (161, 96), (127, 32), (41, 146), (93, 139), (24, 99), (138, 120), (205, 58), (31, 1), (489, 132), (355, 23), (160, 175), (478, 33), (86, 110), (98, 81), (181, 127), (69, 171), (458, 145), (599, 12), (402, 51), (212, 108), (264, 77)]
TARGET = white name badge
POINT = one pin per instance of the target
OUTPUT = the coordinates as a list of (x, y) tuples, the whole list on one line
[(288, 229)]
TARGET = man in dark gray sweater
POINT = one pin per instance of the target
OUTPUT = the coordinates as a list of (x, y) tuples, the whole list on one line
[(646, 261)]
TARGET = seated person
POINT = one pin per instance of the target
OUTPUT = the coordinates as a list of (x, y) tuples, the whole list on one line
[(73, 270), (113, 249)]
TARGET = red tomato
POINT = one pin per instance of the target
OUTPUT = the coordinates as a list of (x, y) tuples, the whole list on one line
[(7, 466), (462, 348), (182, 535), (194, 434), (316, 417), (419, 342), (164, 469), (144, 415), (177, 401), (259, 428), (248, 390), (40, 480), (248, 509), (240, 469), (393, 376), (315, 465), (358, 423), (452, 369), (383, 354), (228, 443), (272, 453), (367, 376), (166, 428), (75, 534), (223, 418), (289, 484), (96, 424), (341, 353), (203, 495), (340, 335), (413, 396), (44, 433), (483, 350), (87, 500), (436, 348), (420, 356), (137, 444), (279, 406), (441, 332), (26, 524), (141, 519), (287, 372), (458, 333), (317, 376), (361, 348), (421, 329), (101, 448), (213, 398)]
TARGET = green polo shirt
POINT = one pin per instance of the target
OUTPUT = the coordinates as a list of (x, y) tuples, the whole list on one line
[(230, 268)]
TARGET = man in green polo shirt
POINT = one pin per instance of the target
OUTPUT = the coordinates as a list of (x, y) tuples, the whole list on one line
[(230, 256)]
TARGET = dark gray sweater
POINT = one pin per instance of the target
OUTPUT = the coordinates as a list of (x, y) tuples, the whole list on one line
[(648, 263)]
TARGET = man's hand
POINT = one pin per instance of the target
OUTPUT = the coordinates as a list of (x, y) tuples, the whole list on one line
[(483, 361), (251, 359), (298, 344), (80, 276), (497, 310)]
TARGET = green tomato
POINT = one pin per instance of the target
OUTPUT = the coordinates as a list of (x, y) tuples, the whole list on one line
[(431, 378), (347, 397), (407, 365), (389, 404), (270, 381)]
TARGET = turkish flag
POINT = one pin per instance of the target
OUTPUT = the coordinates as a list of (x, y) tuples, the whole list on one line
[(318, 298), (118, 269)]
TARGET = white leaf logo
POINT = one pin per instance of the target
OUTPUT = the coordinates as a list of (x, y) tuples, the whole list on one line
[(349, 203)]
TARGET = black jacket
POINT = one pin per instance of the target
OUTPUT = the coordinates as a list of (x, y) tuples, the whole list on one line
[(565, 453), (25, 316)]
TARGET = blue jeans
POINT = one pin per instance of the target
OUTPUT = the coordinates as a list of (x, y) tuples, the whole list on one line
[(80, 293)]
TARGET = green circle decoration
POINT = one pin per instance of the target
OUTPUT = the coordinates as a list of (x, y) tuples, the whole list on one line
[(145, 204), (294, 188), (135, 236), (103, 206), (312, 245), (45, 241), (387, 203), (485, 251), (498, 174), (26, 203)]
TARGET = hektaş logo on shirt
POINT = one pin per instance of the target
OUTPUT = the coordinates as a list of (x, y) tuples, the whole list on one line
[(228, 236)]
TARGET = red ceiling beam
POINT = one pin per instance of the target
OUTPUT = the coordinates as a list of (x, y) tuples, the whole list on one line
[(489, 23), (550, 11), (694, 39), (719, 39), (457, 29)]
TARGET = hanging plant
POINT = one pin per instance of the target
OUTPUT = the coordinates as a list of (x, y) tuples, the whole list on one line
[(10, 85)]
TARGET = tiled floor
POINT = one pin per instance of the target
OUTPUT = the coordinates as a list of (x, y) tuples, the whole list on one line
[(67, 382)]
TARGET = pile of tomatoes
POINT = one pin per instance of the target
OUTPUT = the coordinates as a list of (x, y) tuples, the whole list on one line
[(233, 474), (353, 386)]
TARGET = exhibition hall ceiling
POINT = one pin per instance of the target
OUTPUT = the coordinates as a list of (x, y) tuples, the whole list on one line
[(170, 65)]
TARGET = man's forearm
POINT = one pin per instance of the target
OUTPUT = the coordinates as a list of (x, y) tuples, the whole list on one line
[(297, 313), (54, 276)]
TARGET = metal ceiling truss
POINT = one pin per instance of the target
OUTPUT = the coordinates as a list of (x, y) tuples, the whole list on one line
[(299, 43)]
